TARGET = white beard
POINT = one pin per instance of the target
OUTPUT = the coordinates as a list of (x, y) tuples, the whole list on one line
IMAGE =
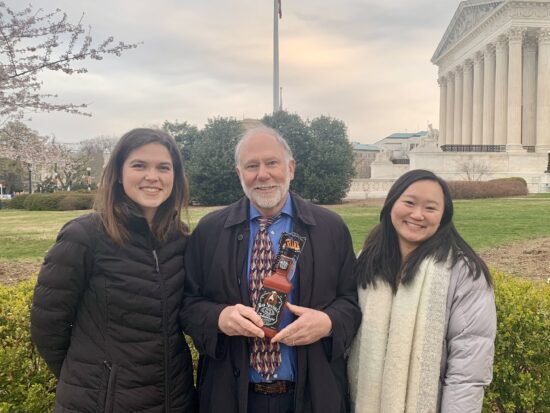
[(267, 201)]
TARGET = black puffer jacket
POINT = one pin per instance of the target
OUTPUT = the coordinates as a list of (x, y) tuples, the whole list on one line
[(105, 319)]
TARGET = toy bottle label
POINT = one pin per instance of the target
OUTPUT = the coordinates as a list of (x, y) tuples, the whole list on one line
[(269, 306)]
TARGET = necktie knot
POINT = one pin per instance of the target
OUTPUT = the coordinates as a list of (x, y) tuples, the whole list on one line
[(265, 222)]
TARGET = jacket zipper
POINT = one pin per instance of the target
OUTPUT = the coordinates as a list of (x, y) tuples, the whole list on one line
[(109, 393), (164, 332)]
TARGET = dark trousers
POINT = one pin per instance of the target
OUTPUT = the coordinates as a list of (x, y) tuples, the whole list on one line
[(271, 403)]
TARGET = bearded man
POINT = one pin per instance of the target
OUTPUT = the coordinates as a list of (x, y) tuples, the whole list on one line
[(302, 368)]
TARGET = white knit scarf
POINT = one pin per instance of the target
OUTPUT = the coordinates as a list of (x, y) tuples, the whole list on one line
[(395, 359)]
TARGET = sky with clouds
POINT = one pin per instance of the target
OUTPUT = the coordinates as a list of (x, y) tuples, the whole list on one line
[(366, 62)]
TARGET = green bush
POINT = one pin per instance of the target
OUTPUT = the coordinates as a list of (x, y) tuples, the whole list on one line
[(323, 154), (75, 202), (26, 384), (41, 202), (18, 201), (211, 169), (58, 201), (511, 179), (495, 188), (521, 381), (5, 203)]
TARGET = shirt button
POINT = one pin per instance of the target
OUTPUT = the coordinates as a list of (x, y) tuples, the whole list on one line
[(272, 232)]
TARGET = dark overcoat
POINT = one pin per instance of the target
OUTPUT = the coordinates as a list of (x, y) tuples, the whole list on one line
[(216, 265), (105, 319)]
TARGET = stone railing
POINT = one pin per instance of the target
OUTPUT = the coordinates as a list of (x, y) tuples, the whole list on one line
[(473, 148)]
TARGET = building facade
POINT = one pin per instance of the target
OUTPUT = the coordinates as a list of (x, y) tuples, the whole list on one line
[(494, 117), (399, 144), (364, 155), (494, 77)]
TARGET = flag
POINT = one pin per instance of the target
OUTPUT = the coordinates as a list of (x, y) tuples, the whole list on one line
[(280, 10)]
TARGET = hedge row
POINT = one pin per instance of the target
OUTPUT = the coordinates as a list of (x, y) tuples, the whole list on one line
[(521, 372), (495, 188), (58, 201), (26, 384), (66, 201)]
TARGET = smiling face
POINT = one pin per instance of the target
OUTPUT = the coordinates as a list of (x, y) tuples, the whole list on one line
[(416, 214), (148, 177), (265, 173)]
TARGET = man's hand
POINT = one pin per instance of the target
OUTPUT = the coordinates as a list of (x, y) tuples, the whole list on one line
[(240, 320), (310, 326)]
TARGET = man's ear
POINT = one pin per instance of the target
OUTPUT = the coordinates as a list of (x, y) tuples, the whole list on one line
[(238, 172), (291, 167)]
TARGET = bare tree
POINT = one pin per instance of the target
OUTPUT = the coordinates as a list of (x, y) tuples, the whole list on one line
[(99, 144), (20, 143), (69, 165), (32, 41), (473, 169)]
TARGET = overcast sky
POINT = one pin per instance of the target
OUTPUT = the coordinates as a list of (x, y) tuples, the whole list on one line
[(366, 62)]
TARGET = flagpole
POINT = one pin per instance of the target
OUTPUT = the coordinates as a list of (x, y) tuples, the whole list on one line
[(276, 104)]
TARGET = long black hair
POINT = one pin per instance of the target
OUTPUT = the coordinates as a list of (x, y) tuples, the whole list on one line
[(381, 258)]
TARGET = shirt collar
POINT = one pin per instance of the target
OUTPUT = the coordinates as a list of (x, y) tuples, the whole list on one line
[(287, 209)]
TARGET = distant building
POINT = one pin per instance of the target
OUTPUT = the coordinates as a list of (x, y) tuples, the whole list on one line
[(364, 154), (494, 110), (400, 144)]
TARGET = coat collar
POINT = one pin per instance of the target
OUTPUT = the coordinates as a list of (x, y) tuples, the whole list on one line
[(238, 211)]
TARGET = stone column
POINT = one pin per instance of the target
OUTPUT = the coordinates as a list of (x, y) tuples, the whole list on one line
[(513, 141), (529, 115), (501, 91), (477, 112), (467, 99), (489, 95), (457, 135), (543, 93), (442, 109), (449, 120)]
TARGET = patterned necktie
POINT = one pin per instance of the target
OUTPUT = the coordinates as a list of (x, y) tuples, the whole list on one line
[(265, 357)]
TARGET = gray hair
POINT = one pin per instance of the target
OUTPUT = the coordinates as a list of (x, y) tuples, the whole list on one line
[(266, 131)]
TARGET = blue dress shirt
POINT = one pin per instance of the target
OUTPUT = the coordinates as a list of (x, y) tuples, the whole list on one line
[(287, 369)]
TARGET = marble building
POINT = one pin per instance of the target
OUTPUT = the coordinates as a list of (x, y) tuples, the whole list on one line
[(494, 77)]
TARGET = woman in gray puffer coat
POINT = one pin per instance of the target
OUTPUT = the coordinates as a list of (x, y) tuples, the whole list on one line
[(426, 342), (105, 310)]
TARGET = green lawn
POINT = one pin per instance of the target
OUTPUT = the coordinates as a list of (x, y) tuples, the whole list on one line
[(483, 223)]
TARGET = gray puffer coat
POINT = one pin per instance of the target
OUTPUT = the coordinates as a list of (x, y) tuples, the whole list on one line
[(468, 347)]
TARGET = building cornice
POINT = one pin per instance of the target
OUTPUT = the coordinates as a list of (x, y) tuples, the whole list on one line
[(510, 14), (464, 22)]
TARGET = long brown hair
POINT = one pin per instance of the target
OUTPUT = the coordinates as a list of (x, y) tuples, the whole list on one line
[(115, 207)]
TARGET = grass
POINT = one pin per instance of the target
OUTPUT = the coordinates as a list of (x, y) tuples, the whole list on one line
[(483, 223), (541, 195), (488, 223), (29, 234)]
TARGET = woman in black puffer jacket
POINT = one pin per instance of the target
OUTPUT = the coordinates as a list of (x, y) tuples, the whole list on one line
[(105, 308)]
